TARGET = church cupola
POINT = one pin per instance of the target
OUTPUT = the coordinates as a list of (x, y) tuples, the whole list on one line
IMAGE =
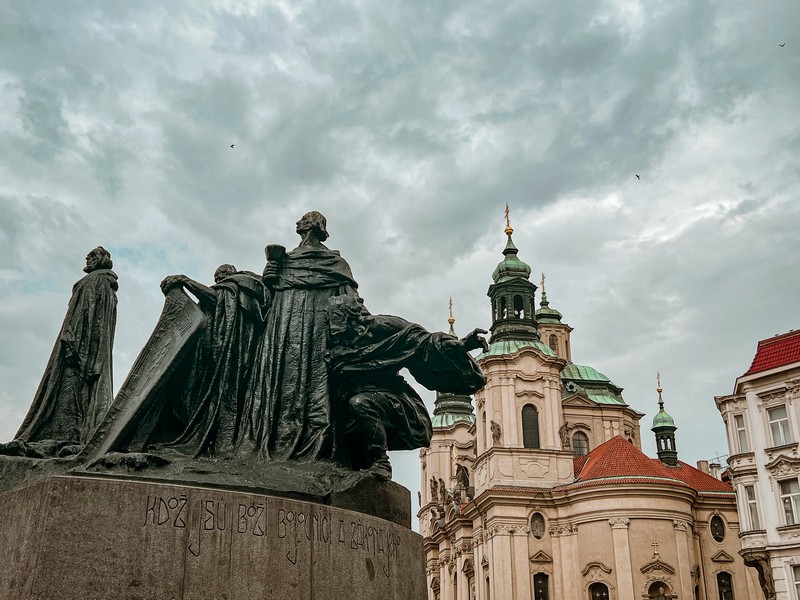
[(552, 331), (664, 428), (512, 296), (449, 409)]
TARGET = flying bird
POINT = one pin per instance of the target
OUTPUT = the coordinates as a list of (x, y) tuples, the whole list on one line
[(782, 45), (637, 176), (232, 145)]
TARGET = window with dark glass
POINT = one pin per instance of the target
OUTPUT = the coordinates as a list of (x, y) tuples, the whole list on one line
[(537, 525), (717, 528), (530, 426), (598, 591), (658, 590), (553, 343), (541, 586), (580, 444), (503, 308), (725, 586)]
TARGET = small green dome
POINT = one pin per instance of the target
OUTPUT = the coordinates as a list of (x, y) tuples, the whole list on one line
[(663, 419), (511, 267), (583, 373), (591, 383), (545, 314), (449, 409)]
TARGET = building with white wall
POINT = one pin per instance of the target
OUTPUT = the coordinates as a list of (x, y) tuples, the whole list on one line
[(762, 418)]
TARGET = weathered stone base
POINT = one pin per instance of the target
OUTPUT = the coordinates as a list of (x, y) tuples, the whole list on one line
[(86, 538)]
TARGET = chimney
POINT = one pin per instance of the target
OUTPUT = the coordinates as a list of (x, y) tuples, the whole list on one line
[(702, 465), (714, 469)]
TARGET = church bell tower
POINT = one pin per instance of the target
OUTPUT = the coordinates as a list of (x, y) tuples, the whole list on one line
[(512, 296)]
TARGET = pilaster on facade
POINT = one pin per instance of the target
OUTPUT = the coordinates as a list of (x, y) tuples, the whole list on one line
[(622, 556)]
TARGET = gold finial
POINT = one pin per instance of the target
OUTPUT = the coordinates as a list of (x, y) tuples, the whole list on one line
[(509, 229), (542, 282), (451, 320), (659, 389)]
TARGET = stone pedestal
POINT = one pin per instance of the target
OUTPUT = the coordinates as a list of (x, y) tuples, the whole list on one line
[(84, 538)]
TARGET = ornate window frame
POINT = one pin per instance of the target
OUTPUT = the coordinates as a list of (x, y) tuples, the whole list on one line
[(597, 572)]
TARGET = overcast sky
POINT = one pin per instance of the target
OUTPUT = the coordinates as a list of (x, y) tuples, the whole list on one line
[(410, 125)]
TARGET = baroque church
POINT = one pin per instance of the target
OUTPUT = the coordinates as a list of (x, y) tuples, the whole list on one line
[(541, 490)]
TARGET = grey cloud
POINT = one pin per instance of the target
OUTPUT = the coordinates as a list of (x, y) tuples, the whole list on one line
[(410, 125)]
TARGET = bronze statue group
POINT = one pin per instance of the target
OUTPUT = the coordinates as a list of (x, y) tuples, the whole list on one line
[(285, 366)]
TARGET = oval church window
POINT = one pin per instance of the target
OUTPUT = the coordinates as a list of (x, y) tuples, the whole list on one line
[(717, 528), (537, 525)]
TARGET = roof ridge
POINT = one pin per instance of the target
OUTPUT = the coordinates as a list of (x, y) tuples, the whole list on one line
[(778, 337)]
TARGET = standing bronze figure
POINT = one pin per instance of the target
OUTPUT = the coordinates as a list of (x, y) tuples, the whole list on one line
[(75, 391)]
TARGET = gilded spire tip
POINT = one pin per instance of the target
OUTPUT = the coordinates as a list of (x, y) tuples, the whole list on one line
[(509, 229), (659, 389), (451, 319)]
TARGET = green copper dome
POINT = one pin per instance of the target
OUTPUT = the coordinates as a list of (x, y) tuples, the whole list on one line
[(511, 267), (545, 314), (509, 347), (450, 409), (663, 419), (583, 379)]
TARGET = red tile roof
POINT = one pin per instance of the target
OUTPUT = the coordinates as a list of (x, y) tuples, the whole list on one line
[(619, 461), (775, 352)]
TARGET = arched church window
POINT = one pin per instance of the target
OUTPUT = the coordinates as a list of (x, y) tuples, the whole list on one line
[(580, 444), (530, 426), (717, 527), (553, 343), (598, 591), (537, 525), (659, 590), (519, 307), (541, 586), (725, 586), (503, 308)]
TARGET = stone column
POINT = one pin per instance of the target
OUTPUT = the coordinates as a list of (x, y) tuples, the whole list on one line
[(521, 566), (559, 575), (567, 542), (684, 563), (508, 407), (622, 557), (501, 562), (552, 396)]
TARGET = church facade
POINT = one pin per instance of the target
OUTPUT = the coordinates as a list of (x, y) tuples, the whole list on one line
[(541, 491)]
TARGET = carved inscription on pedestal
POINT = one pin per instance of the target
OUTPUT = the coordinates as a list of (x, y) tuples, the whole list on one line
[(309, 528), (290, 530)]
